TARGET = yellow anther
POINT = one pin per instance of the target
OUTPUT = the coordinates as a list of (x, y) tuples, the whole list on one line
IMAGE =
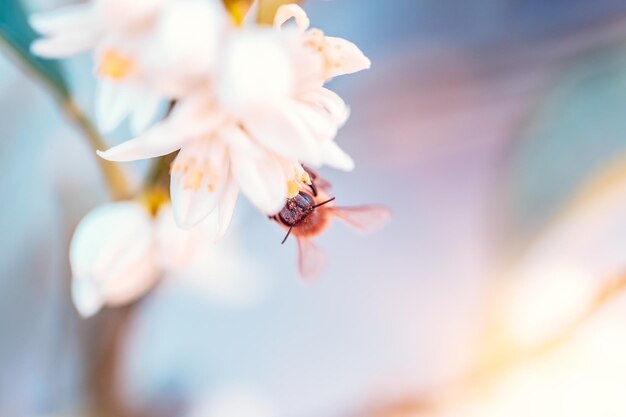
[(194, 174), (306, 178), (116, 66), (293, 188), (193, 180)]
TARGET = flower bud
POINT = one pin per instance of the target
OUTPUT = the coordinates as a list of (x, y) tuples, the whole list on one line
[(112, 256)]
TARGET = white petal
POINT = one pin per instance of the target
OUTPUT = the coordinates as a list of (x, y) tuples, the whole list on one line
[(334, 156), (284, 132), (73, 18), (319, 122), (145, 110), (199, 175), (134, 280), (288, 11), (113, 104), (127, 15), (260, 175), (188, 35), (256, 71), (161, 139), (62, 46), (330, 101), (86, 297), (112, 254), (346, 57), (227, 207), (177, 247)]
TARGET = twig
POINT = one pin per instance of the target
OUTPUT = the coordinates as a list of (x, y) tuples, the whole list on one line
[(114, 176)]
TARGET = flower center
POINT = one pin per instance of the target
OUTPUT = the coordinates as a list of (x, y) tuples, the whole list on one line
[(153, 198), (115, 65), (300, 179), (332, 53)]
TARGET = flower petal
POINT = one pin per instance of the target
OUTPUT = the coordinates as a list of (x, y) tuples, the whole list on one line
[(78, 21), (330, 101), (187, 37), (284, 132), (177, 247), (288, 11), (345, 57), (256, 70), (260, 175), (321, 124), (145, 110), (63, 46), (227, 207), (113, 104), (161, 139), (112, 256), (198, 178), (334, 156), (86, 296)]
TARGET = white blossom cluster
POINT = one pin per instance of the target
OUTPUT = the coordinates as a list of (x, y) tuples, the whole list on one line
[(251, 107)]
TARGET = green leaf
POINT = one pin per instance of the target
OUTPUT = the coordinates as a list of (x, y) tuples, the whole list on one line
[(18, 35)]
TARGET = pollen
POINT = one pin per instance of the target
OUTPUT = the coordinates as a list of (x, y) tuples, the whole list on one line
[(293, 188), (195, 174), (306, 178), (300, 179), (193, 180), (115, 65)]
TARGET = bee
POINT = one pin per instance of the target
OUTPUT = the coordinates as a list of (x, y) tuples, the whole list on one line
[(309, 213)]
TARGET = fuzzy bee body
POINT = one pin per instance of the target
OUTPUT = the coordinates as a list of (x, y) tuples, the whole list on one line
[(307, 214)]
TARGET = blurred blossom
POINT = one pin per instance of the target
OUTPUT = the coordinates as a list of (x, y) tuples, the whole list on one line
[(543, 299), (119, 251), (249, 130), (143, 51), (585, 377), (559, 274)]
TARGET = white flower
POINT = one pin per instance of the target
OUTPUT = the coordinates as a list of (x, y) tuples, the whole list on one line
[(264, 113), (119, 251), (339, 55), (144, 51)]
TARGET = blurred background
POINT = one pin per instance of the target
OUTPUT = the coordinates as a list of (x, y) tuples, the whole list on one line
[(496, 132)]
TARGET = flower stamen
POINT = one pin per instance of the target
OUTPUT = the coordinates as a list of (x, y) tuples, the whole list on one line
[(194, 173), (115, 65), (301, 179)]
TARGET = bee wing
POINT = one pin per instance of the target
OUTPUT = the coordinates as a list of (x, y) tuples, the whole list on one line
[(311, 259), (363, 218), (320, 183)]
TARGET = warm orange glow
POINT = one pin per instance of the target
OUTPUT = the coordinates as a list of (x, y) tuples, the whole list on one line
[(115, 65)]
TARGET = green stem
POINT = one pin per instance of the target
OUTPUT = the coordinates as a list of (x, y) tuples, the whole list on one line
[(113, 174)]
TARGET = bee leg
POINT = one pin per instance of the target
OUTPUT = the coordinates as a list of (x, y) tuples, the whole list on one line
[(323, 202), (287, 235)]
